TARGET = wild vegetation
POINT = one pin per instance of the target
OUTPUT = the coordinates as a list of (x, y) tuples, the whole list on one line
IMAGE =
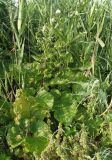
[(56, 80)]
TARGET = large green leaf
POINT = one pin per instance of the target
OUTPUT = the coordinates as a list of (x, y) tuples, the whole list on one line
[(28, 106), (36, 144), (46, 98), (39, 128), (22, 106), (40, 139), (14, 137), (65, 108)]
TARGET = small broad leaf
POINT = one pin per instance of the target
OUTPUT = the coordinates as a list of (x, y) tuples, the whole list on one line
[(56, 93), (58, 81), (29, 91)]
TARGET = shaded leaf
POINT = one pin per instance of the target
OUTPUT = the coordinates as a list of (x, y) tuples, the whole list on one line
[(65, 108)]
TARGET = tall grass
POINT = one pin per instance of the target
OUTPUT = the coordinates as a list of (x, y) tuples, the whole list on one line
[(84, 28)]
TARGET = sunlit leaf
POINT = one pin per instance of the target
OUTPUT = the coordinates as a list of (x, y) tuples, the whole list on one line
[(36, 144)]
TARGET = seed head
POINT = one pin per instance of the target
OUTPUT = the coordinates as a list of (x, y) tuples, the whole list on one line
[(58, 11)]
